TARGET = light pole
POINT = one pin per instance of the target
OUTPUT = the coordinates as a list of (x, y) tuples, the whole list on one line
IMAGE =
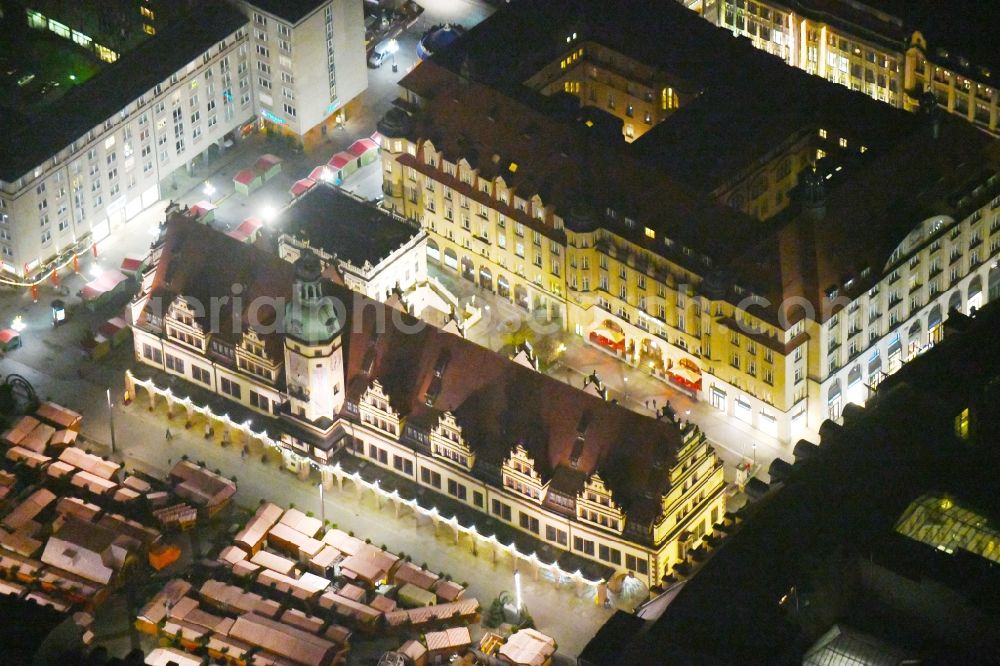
[(322, 503), (392, 47), (111, 419), (755, 454), (625, 379), (517, 591)]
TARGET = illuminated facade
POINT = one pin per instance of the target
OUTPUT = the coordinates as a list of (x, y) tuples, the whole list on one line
[(100, 175), (84, 175), (511, 210), (868, 50), (575, 471), (308, 63)]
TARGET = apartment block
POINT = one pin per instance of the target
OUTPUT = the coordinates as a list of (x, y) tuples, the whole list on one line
[(890, 51), (101, 153), (308, 63)]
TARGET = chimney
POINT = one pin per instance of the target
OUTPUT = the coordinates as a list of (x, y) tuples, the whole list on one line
[(930, 110), (812, 194)]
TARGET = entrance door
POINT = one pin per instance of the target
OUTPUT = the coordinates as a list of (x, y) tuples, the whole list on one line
[(717, 397)]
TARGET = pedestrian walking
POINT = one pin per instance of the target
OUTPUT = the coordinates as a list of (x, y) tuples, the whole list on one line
[(170, 435), (654, 403)]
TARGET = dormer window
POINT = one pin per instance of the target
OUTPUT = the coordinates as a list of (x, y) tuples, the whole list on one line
[(595, 504), (519, 474)]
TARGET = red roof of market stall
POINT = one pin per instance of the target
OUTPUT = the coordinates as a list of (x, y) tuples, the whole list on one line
[(361, 146), (245, 177)]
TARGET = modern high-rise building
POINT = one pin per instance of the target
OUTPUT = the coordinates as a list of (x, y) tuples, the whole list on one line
[(93, 141), (772, 243)]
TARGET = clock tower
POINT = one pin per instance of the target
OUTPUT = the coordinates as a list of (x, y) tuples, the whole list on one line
[(314, 358)]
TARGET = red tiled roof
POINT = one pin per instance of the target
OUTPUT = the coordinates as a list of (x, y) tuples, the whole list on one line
[(200, 263), (498, 403)]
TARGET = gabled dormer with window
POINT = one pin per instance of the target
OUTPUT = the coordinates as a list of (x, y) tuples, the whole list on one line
[(595, 504), (519, 475), (252, 358), (447, 442), (376, 411), (182, 326)]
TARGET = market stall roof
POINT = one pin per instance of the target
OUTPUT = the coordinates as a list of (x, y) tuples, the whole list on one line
[(112, 327), (302, 186), (99, 286), (245, 176), (131, 264), (362, 146), (319, 173), (202, 207), (267, 161), (8, 334), (340, 160), (528, 647), (246, 229)]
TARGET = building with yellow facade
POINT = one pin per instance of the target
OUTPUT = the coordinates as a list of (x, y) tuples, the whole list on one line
[(890, 51), (696, 250), (579, 486)]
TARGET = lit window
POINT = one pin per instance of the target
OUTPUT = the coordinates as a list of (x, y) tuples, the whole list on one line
[(864, 149), (148, 29), (962, 424), (822, 133), (843, 142), (650, 233), (513, 167)]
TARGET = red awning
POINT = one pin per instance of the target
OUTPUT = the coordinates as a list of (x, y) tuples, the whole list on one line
[(319, 173), (202, 207), (245, 177), (267, 162), (340, 160), (302, 186), (111, 327), (131, 264), (7, 334), (361, 146), (103, 284), (250, 225)]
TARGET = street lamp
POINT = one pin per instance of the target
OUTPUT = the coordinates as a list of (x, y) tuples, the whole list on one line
[(209, 190), (322, 503), (392, 47), (111, 419), (267, 212), (625, 379), (754, 454)]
